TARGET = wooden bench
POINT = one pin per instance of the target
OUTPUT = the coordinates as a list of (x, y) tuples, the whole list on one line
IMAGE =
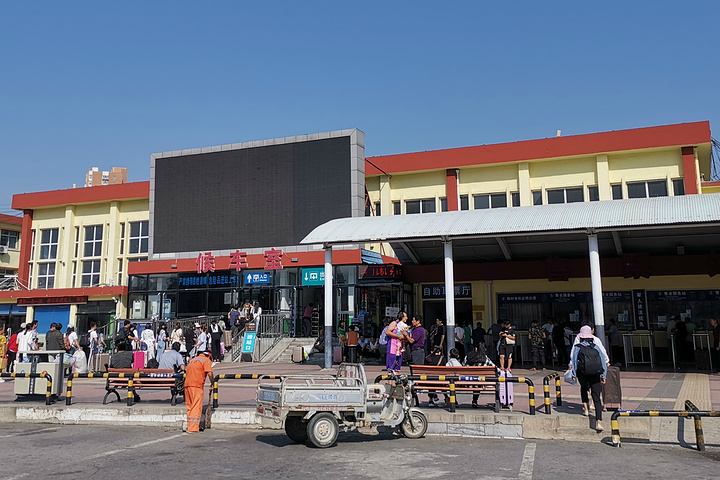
[(113, 384), (443, 386)]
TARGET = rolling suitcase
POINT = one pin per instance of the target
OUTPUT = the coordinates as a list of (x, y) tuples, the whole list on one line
[(337, 354), (702, 359), (138, 360), (297, 355), (506, 391), (611, 391)]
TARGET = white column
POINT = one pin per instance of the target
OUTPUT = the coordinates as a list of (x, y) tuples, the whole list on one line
[(596, 285), (489, 303), (328, 307), (449, 294)]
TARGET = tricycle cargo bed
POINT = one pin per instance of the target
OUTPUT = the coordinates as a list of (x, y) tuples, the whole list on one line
[(317, 392)]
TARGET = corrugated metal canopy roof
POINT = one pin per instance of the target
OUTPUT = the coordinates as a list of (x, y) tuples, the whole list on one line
[(688, 210)]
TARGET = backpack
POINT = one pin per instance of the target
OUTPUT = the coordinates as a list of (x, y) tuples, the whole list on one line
[(588, 360), (85, 340), (121, 336), (383, 337), (477, 357), (66, 343), (153, 363)]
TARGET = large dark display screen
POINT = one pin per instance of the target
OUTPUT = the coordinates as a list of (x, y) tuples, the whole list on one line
[(250, 197)]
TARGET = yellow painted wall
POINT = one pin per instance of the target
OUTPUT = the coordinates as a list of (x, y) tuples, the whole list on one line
[(573, 172), (651, 165), (66, 219), (489, 179)]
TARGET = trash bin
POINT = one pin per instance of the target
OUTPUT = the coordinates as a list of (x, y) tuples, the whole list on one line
[(39, 363)]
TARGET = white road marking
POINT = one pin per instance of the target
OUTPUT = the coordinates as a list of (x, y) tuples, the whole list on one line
[(528, 462), (139, 445), (31, 431)]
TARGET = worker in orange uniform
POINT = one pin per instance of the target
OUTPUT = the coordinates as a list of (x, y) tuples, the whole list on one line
[(196, 371)]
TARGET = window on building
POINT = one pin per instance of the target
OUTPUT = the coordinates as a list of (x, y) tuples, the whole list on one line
[(515, 199), (377, 209), (32, 245), (443, 204), (90, 273), (92, 247), (464, 202), (122, 238), (9, 238), (425, 205), (396, 207), (593, 193), (48, 244), (46, 275), (537, 197), (616, 191), (565, 195), (138, 237), (678, 186), (120, 272), (6, 272), (655, 188), (77, 240), (368, 211), (490, 200)]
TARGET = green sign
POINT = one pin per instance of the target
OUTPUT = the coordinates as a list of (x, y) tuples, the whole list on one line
[(313, 276)]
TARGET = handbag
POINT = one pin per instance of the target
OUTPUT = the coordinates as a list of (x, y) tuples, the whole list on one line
[(569, 377)]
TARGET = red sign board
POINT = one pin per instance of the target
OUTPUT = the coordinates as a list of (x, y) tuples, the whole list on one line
[(53, 300), (380, 272)]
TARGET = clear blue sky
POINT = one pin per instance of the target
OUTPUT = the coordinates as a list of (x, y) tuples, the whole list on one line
[(109, 83)]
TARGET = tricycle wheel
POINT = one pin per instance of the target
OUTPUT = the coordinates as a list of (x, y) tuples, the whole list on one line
[(296, 429), (322, 430), (419, 425)]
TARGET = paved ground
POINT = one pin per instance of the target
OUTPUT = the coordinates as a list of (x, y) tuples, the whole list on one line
[(71, 452), (642, 390)]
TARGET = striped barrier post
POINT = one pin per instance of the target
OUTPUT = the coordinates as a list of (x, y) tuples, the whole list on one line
[(699, 436), (546, 391), (696, 414), (46, 376), (453, 400)]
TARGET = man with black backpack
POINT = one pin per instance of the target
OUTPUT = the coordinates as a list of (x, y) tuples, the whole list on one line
[(590, 369)]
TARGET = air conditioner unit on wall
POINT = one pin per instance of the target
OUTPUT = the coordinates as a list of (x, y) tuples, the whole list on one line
[(3, 249)]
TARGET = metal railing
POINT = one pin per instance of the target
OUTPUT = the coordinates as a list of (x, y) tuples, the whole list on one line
[(453, 379), (47, 376), (701, 341), (239, 376), (644, 341), (690, 411), (130, 377), (270, 330)]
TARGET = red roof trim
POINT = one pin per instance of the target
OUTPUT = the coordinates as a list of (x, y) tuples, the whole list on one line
[(683, 134), (10, 219), (74, 196)]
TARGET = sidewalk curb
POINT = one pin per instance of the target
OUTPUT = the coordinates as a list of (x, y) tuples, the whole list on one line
[(560, 426)]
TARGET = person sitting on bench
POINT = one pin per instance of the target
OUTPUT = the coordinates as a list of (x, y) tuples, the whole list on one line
[(123, 358)]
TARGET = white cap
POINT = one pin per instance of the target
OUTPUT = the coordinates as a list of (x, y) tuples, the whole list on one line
[(23, 325)]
